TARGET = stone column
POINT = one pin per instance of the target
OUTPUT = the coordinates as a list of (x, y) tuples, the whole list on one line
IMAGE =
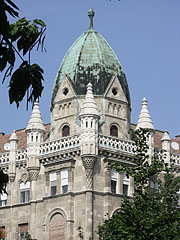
[(166, 141), (33, 176), (89, 162)]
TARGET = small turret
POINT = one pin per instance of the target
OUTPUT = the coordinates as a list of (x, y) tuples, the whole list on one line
[(166, 141), (35, 129), (89, 117), (35, 134), (12, 156), (144, 120)]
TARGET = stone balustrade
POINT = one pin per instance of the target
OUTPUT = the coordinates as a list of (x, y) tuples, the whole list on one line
[(67, 143), (21, 154), (117, 144), (176, 158), (4, 158), (59, 145)]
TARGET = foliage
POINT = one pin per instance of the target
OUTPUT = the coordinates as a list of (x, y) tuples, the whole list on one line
[(152, 213), (28, 236), (2, 233), (18, 40), (4, 178)]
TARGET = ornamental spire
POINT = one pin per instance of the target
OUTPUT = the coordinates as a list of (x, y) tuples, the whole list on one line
[(35, 121), (144, 120), (91, 15), (89, 105)]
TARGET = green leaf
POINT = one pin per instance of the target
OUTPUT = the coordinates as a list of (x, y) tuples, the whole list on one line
[(26, 77), (39, 22)]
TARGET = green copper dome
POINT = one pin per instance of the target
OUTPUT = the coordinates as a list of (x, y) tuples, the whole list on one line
[(90, 59)]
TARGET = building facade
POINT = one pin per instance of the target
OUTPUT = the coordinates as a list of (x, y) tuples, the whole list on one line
[(59, 178)]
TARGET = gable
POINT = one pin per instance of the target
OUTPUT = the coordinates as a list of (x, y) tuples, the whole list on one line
[(65, 90), (114, 90)]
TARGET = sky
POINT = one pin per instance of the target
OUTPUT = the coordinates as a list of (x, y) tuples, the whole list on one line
[(145, 36)]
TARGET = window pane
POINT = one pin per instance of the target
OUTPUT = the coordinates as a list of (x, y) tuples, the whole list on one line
[(53, 176), (113, 174), (64, 173), (64, 188), (113, 186), (53, 190), (114, 131), (65, 131), (22, 197), (27, 196), (125, 189), (64, 180)]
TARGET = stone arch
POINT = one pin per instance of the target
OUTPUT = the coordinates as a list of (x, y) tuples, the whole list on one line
[(56, 224), (116, 210)]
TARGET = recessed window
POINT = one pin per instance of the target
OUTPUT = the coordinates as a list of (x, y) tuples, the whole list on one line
[(65, 131), (65, 91), (64, 180), (114, 181), (126, 183), (24, 192), (53, 182), (23, 229), (3, 199), (114, 131), (114, 91)]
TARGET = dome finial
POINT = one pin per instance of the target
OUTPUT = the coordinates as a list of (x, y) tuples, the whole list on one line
[(91, 15)]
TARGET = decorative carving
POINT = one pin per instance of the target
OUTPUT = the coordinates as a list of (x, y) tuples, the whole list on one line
[(33, 174), (89, 162), (12, 177)]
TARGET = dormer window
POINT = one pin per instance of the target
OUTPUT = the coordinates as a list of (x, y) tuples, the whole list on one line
[(114, 131), (65, 131)]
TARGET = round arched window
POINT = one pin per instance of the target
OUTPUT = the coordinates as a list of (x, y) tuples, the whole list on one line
[(65, 131), (114, 131)]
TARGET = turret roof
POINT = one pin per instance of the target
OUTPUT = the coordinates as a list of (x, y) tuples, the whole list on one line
[(90, 59)]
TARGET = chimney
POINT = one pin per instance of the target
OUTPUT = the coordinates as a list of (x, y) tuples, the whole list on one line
[(178, 137)]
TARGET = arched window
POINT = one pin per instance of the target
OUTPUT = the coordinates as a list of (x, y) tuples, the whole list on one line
[(65, 131), (114, 131), (56, 228), (24, 192)]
